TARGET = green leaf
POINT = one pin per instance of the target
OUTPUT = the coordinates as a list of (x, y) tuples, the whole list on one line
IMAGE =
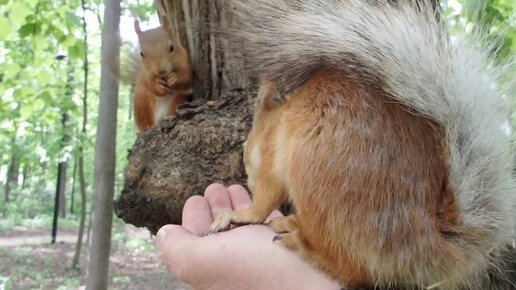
[(19, 11), (43, 78), (76, 51), (27, 29), (5, 28), (11, 70), (38, 104), (73, 20), (25, 111)]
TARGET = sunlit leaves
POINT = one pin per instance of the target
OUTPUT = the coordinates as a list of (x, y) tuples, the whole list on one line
[(5, 27), (18, 11), (30, 29), (76, 51)]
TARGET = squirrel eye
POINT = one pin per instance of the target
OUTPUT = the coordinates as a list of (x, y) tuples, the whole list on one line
[(171, 48), (141, 53)]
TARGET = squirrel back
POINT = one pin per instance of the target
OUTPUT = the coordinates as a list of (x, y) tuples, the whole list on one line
[(400, 51)]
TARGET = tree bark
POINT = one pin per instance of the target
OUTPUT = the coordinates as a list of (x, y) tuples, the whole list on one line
[(82, 176), (102, 215), (182, 157), (12, 173)]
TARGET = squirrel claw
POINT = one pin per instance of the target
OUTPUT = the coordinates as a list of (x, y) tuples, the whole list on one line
[(161, 88), (172, 80), (276, 239), (222, 222)]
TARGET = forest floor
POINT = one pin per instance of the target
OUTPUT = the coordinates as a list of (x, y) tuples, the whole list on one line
[(29, 261)]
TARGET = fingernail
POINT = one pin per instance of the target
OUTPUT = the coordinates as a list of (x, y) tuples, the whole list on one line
[(160, 236)]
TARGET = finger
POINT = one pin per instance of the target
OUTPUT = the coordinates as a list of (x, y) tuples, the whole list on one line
[(218, 199), (175, 245), (239, 197), (196, 215)]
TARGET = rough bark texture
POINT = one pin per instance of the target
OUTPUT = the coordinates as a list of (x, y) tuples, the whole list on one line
[(182, 157), (217, 69)]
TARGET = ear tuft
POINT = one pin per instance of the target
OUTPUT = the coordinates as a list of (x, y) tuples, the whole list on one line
[(137, 28)]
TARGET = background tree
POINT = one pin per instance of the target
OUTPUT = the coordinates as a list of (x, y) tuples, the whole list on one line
[(82, 176), (104, 178)]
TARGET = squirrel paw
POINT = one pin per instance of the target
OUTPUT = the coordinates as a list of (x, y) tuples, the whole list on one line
[(172, 80), (287, 229), (221, 223), (288, 240), (161, 88), (227, 218)]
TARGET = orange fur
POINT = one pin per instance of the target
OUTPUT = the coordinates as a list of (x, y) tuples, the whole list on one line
[(165, 78), (367, 178)]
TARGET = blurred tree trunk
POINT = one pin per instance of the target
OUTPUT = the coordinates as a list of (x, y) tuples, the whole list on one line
[(62, 168), (26, 175), (82, 176), (12, 172), (102, 214), (63, 163)]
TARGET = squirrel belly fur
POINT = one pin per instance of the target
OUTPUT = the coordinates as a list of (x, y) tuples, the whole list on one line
[(388, 138), (163, 76)]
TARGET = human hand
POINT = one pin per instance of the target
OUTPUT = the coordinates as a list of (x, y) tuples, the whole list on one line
[(242, 258)]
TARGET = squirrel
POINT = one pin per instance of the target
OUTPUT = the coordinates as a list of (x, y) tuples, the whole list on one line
[(164, 76), (387, 137)]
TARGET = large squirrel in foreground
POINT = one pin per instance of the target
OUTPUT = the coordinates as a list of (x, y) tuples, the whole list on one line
[(164, 77), (389, 139)]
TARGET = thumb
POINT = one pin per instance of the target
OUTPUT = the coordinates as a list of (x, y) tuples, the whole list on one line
[(175, 246)]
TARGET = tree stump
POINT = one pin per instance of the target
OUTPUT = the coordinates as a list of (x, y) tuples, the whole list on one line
[(168, 164)]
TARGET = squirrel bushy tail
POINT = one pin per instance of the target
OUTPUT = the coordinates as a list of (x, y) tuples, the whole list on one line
[(130, 65), (403, 50)]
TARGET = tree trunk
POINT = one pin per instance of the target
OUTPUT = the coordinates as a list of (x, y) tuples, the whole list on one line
[(61, 186), (204, 143), (82, 176), (12, 173), (26, 176), (98, 263), (66, 140), (72, 194)]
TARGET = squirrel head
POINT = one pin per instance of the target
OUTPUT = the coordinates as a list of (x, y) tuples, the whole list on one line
[(160, 52)]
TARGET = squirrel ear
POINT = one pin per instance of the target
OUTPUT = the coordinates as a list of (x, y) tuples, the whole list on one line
[(137, 26), (165, 23)]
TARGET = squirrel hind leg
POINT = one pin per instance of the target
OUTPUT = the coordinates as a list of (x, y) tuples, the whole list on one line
[(292, 236), (287, 230)]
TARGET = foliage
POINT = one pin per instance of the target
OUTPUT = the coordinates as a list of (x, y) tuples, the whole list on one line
[(496, 17), (40, 43)]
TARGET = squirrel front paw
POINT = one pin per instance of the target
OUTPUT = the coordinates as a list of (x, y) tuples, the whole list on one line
[(161, 87)]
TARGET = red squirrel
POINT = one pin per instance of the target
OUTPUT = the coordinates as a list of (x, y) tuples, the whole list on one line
[(386, 137), (165, 77)]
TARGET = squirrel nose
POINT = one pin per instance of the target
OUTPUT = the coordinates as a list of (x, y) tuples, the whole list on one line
[(162, 72)]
